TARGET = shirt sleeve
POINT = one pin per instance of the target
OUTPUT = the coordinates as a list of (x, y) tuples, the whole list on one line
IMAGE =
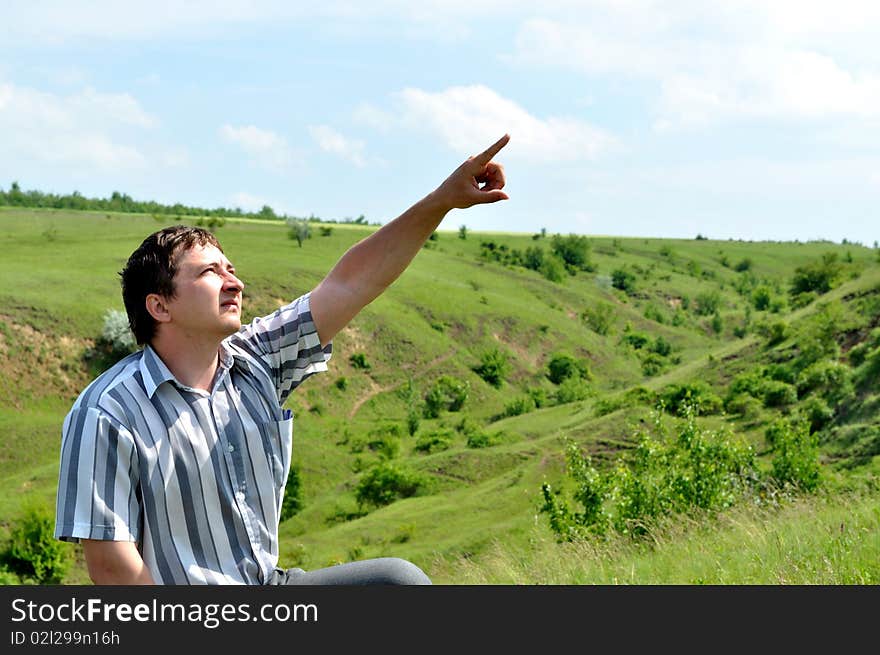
[(98, 480), (287, 345)]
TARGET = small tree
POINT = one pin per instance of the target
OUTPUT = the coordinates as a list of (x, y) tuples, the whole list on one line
[(462, 232), (299, 230)]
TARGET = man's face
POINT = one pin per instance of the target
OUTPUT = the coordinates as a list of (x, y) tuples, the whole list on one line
[(207, 295)]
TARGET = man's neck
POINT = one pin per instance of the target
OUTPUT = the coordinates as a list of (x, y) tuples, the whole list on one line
[(192, 362)]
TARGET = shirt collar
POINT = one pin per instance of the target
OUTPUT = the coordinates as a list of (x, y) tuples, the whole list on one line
[(155, 372)]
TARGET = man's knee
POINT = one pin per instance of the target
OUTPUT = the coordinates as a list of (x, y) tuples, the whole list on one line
[(402, 572)]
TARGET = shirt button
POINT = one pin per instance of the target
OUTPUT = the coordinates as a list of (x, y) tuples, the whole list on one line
[(230, 448)]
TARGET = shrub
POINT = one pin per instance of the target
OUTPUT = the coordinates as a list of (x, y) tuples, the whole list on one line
[(635, 339), (299, 230), (447, 393), (574, 250), (796, 454), (817, 277), (117, 334), (572, 389), (385, 483), (743, 405), (817, 413), (359, 361), (624, 280), (521, 405), (696, 397), (599, 317), (33, 553), (778, 394), (493, 367), (293, 501), (652, 364), (434, 441), (697, 469), (828, 376), (562, 367), (552, 268), (761, 298), (708, 303)]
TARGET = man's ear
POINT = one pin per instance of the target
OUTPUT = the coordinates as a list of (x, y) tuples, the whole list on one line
[(158, 308)]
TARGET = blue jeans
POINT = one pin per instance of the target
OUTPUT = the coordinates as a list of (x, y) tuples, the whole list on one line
[(378, 571)]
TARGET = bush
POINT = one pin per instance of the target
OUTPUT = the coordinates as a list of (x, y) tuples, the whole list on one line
[(696, 397), (574, 250), (521, 405), (434, 441), (293, 501), (299, 230), (817, 413), (33, 553), (571, 390), (599, 317), (708, 303), (562, 367), (796, 454), (830, 377), (359, 361), (778, 394), (385, 483), (552, 268), (446, 394), (743, 405), (652, 364), (697, 469), (493, 367), (117, 334), (816, 277), (624, 280)]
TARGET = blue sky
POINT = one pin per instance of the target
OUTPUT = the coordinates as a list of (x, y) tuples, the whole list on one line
[(744, 119)]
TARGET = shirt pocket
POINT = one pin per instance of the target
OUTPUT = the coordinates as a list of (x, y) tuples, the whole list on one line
[(277, 439)]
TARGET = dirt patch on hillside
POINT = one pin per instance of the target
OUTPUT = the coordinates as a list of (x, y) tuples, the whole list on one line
[(34, 364)]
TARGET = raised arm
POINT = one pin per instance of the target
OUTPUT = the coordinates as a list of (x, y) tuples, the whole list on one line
[(371, 265)]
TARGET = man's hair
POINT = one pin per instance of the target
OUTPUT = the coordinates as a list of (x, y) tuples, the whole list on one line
[(151, 269)]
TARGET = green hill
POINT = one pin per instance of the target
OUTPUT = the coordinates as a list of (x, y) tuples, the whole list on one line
[(620, 323)]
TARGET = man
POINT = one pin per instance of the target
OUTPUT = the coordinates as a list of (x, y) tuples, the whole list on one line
[(174, 461)]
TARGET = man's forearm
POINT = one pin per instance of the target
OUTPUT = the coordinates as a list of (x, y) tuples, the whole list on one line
[(373, 264), (370, 266)]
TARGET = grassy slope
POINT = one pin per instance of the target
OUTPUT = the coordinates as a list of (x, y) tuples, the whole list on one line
[(60, 270)]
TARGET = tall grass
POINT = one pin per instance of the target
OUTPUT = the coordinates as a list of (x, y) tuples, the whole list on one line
[(819, 540)]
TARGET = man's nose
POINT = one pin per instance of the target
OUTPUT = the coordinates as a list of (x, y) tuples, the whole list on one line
[(232, 282)]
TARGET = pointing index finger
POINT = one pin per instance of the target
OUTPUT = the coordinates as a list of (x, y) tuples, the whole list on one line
[(486, 156)]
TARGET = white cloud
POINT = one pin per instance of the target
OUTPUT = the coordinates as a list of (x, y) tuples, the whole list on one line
[(715, 62), (329, 140), (265, 148), (83, 128), (467, 116)]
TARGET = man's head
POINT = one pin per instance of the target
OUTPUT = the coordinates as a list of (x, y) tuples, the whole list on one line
[(151, 269)]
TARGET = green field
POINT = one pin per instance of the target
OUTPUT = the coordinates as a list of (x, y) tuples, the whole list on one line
[(475, 517)]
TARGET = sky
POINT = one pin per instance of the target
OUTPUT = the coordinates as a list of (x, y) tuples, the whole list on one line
[(741, 119)]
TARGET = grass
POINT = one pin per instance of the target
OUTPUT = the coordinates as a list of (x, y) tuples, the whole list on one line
[(476, 517), (824, 540)]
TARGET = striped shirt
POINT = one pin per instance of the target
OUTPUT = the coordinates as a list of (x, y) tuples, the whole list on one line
[(196, 479)]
